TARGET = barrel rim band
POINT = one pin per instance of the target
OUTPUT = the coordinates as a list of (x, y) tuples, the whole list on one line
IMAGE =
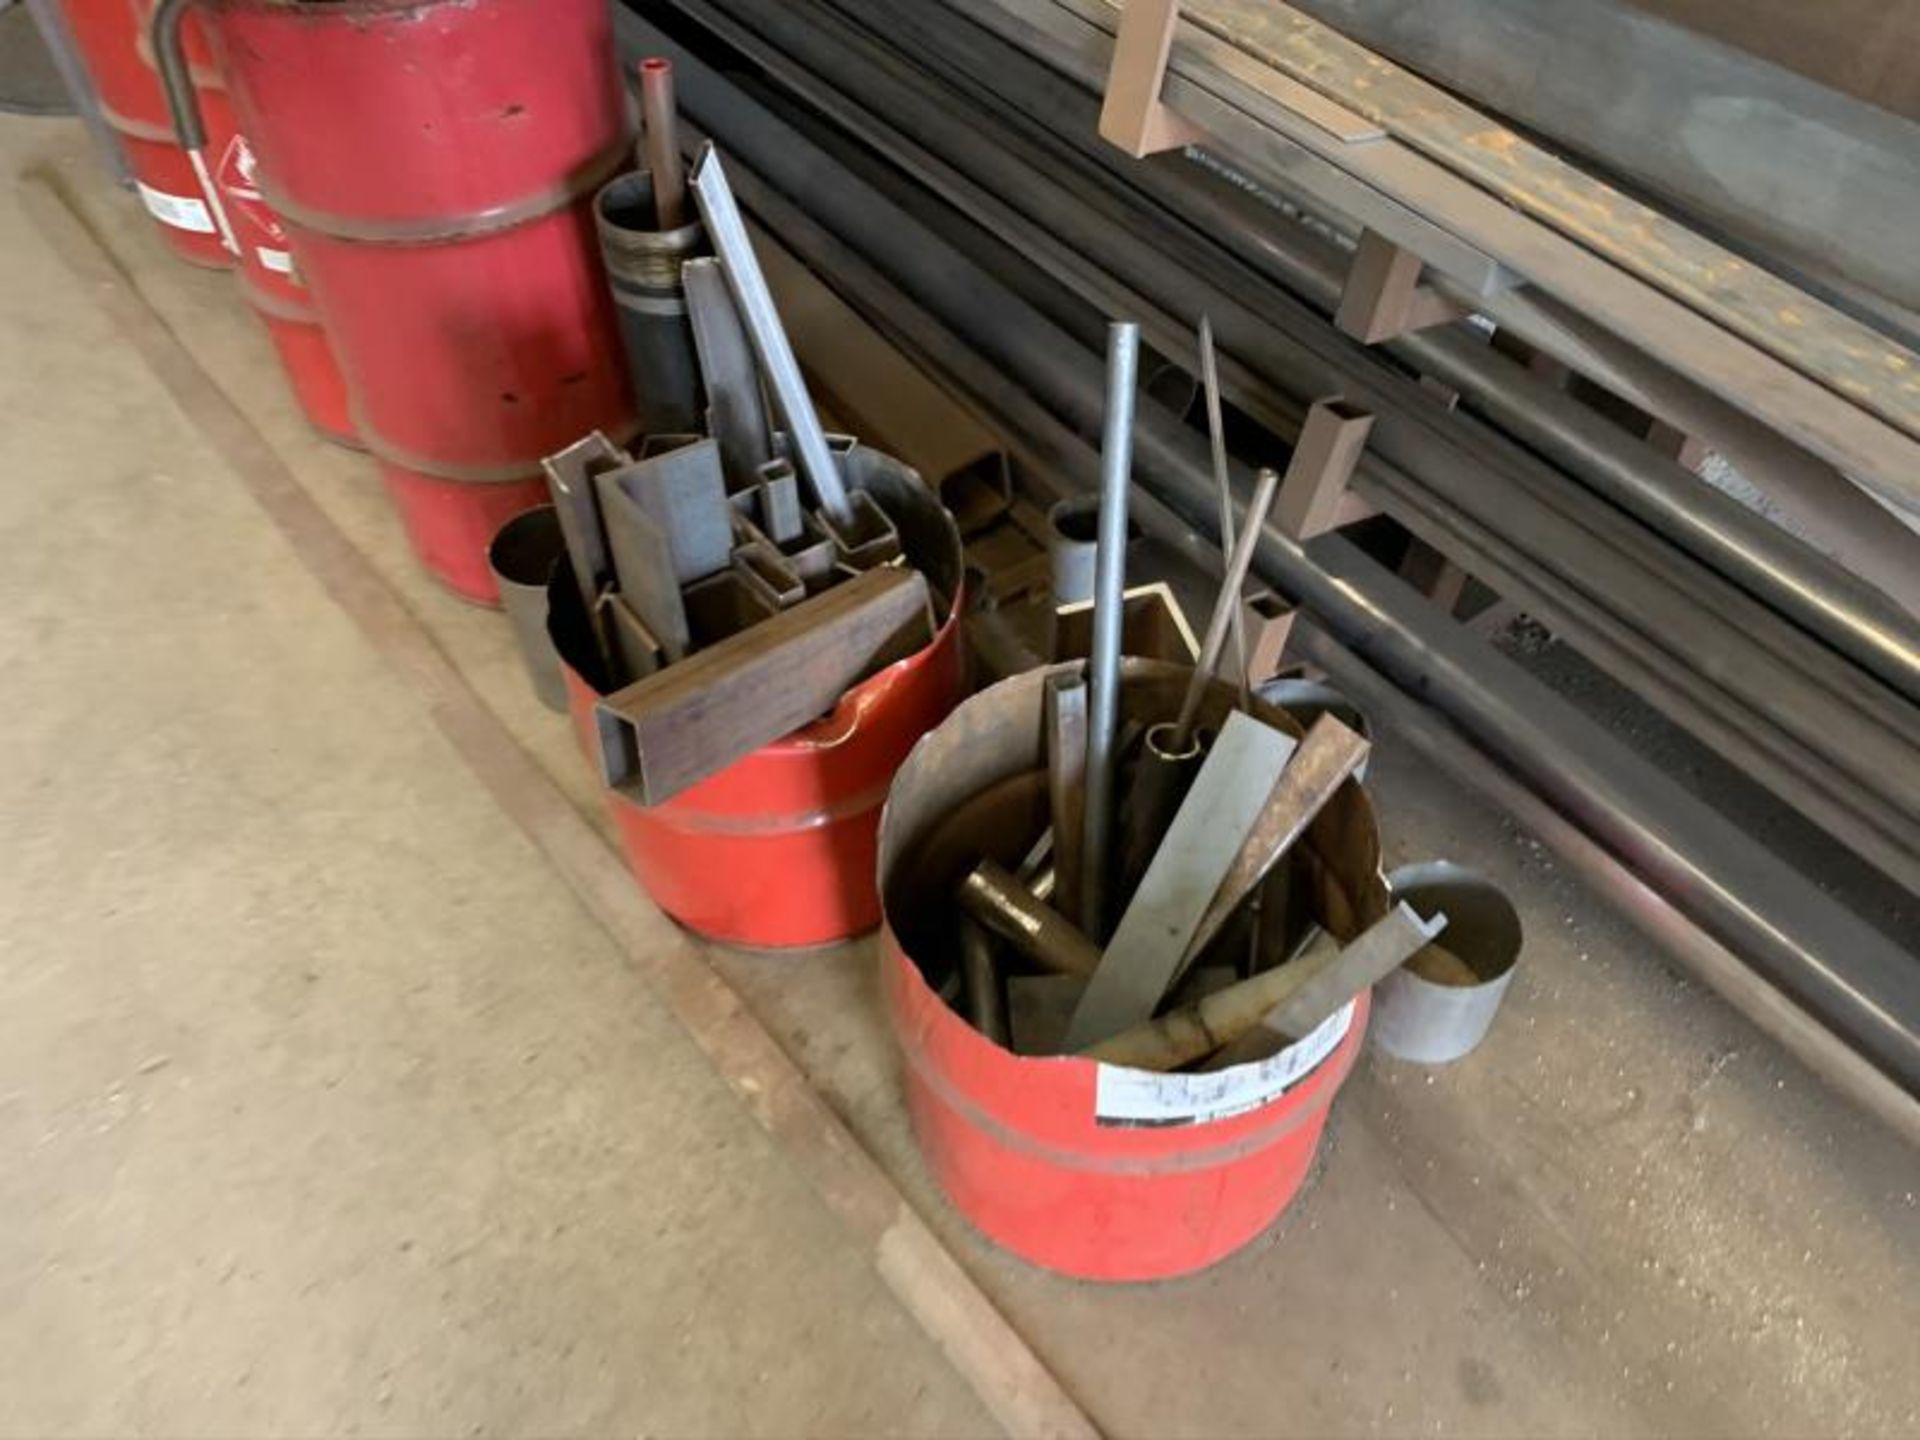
[(583, 180), (1331, 1075), (641, 304), (510, 472)]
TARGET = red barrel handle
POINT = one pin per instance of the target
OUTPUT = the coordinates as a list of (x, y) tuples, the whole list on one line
[(176, 79)]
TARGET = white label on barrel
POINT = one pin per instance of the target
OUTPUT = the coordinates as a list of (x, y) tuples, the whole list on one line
[(183, 212), (1141, 1098), (278, 261)]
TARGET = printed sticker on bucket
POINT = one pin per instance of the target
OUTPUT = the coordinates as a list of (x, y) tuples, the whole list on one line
[(183, 212), (1141, 1098)]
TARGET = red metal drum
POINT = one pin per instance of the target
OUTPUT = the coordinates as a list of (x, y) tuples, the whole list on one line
[(452, 522), (274, 288), (1096, 1171), (110, 36), (778, 850), (433, 162)]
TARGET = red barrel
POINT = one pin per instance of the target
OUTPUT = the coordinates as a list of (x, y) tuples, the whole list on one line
[(434, 164), (778, 850), (274, 288), (1092, 1170), (110, 36)]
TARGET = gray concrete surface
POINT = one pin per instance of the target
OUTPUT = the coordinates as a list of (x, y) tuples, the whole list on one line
[(324, 1109)]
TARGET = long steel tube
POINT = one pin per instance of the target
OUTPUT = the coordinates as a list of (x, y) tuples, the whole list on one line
[(1822, 596), (1852, 978), (1829, 757), (999, 166), (1109, 606)]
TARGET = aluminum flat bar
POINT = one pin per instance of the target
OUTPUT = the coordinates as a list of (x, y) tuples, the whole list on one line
[(727, 233), (1142, 960)]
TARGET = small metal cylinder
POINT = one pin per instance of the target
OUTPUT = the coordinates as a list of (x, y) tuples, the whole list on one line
[(1416, 1016), (1073, 547), (643, 266), (1110, 583), (522, 558)]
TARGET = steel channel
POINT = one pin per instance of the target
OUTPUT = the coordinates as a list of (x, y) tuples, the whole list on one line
[(1826, 715), (1849, 976)]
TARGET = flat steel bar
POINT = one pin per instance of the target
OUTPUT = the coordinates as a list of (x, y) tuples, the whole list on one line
[(727, 233)]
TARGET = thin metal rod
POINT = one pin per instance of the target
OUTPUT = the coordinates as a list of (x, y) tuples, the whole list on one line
[(1109, 606), (662, 118), (1228, 605), (727, 233), (1223, 482)]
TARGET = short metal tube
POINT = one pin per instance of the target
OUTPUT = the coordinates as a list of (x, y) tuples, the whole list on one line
[(994, 896), (662, 120), (1109, 605), (728, 234), (522, 557)]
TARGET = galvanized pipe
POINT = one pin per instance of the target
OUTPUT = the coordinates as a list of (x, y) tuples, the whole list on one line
[(727, 233), (1828, 962), (1109, 611)]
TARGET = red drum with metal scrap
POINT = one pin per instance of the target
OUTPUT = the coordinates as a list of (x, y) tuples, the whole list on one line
[(434, 165), (110, 36), (1098, 1171), (778, 850)]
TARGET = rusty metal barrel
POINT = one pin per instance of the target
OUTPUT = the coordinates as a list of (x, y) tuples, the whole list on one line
[(434, 163)]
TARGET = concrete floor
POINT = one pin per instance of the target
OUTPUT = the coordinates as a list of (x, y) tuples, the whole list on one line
[(324, 1107)]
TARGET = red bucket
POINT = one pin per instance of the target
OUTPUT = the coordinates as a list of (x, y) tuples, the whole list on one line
[(1092, 1170), (778, 851), (309, 363)]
